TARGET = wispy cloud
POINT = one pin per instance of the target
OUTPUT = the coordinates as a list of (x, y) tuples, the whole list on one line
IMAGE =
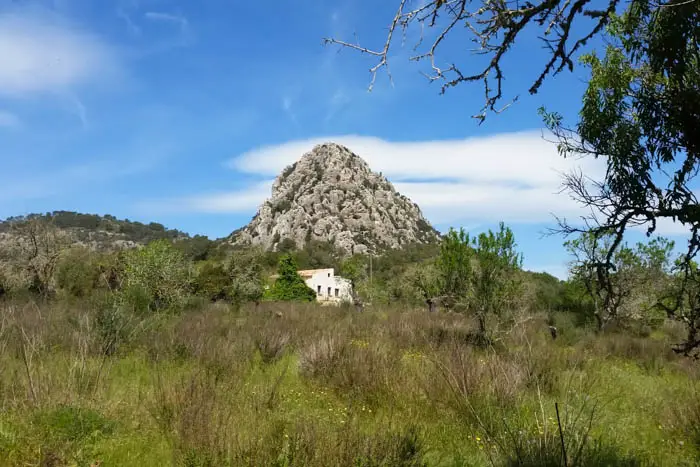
[(336, 103), (42, 53), (288, 107), (131, 27), (177, 19), (514, 177), (243, 200), (31, 183), (9, 120)]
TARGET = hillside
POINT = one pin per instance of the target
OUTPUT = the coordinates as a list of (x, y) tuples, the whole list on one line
[(98, 232), (331, 195)]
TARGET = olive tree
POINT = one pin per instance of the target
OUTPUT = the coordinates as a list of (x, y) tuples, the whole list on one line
[(630, 286), (156, 276), (478, 274), (495, 281)]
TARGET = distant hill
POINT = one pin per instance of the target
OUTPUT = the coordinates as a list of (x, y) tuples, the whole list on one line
[(99, 232), (331, 195)]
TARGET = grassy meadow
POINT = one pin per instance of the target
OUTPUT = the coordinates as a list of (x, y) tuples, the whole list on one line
[(303, 385)]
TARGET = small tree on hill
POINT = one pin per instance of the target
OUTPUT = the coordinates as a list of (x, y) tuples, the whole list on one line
[(289, 285)]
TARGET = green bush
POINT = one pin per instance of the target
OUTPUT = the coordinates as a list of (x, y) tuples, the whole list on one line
[(78, 272), (289, 285), (156, 276), (212, 281)]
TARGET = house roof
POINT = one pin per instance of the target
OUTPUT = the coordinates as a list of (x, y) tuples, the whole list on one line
[(306, 273), (311, 272)]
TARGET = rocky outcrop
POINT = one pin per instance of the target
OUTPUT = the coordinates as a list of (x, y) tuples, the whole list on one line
[(331, 194)]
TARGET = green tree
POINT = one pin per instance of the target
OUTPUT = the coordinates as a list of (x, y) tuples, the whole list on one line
[(455, 267), (245, 268), (629, 287), (425, 279), (289, 285), (156, 276), (640, 115), (478, 274), (495, 281), (237, 279), (682, 303), (196, 248)]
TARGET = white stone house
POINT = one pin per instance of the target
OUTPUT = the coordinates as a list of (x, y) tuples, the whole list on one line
[(329, 288)]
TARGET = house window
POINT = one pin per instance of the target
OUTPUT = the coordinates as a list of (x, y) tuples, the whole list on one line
[(319, 290), (329, 291), (336, 292), (329, 274)]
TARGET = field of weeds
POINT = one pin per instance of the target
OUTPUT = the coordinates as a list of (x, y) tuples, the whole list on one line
[(301, 385)]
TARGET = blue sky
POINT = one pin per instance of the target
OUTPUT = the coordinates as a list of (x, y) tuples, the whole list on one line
[(182, 112)]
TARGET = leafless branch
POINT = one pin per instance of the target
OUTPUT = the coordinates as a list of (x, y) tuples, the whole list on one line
[(494, 26)]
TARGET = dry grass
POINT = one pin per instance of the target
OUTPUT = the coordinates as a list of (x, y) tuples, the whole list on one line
[(298, 385)]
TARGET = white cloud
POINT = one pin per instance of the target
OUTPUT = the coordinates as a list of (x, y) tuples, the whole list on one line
[(245, 200), (514, 177), (9, 120), (41, 53), (521, 158)]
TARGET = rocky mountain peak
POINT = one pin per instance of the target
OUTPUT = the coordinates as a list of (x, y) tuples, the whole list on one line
[(331, 194)]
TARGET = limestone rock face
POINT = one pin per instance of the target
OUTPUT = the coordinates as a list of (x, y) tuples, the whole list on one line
[(331, 194)]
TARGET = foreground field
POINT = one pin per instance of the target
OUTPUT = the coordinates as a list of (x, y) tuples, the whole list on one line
[(306, 386)]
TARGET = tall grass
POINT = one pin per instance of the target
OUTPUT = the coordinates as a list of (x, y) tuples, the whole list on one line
[(301, 385)]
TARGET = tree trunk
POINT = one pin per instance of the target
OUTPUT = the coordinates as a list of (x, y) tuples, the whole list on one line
[(482, 338), (600, 324)]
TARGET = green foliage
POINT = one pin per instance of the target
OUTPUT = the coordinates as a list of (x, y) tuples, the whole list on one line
[(630, 288), (355, 269), (73, 424), (212, 281), (639, 115), (246, 272), (289, 285), (197, 248), (156, 276), (239, 279), (495, 283), (136, 231), (78, 272), (317, 254), (455, 267), (548, 291), (479, 274)]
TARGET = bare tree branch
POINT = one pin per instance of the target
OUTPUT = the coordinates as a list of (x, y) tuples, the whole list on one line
[(494, 27)]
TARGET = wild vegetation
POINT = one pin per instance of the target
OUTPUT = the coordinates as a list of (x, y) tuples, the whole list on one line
[(167, 354), (177, 350)]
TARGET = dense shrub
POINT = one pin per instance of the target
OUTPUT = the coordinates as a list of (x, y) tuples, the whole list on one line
[(156, 276), (289, 285)]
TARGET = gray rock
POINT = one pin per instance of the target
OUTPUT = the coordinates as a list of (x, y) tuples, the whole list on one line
[(330, 194)]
